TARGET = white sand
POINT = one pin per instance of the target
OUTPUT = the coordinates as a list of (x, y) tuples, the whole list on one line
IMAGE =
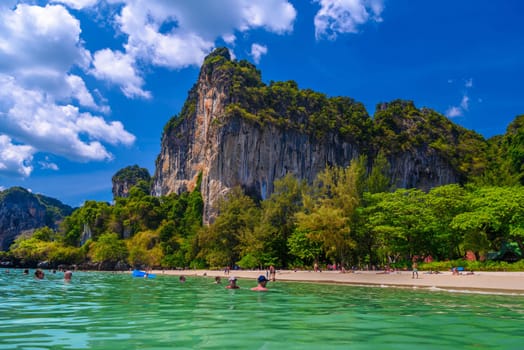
[(493, 282)]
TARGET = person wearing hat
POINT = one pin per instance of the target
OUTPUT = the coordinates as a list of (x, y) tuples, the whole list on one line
[(232, 283), (262, 281)]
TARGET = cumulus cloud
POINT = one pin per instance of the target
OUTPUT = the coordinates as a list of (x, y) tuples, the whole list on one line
[(40, 99), (257, 51), (345, 16), (15, 159), (35, 120), (118, 68), (178, 34)]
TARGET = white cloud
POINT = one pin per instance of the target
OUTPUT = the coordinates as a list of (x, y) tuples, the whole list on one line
[(40, 124), (118, 68), (178, 34), (40, 41), (345, 16), (257, 51), (15, 159), (82, 95), (77, 4), (454, 112), (458, 111), (40, 99), (464, 104), (46, 164), (98, 128), (274, 15)]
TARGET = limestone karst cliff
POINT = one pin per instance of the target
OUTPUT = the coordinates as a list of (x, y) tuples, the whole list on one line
[(237, 131), (128, 177), (20, 211)]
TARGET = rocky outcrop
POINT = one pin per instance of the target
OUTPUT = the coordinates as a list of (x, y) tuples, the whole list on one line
[(22, 211), (236, 131), (128, 177)]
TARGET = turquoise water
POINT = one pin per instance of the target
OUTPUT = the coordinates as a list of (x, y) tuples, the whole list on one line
[(116, 311)]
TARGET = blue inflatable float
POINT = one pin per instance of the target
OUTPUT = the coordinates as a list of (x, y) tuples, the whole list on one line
[(143, 274)]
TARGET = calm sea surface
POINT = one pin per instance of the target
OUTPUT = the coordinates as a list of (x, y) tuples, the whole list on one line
[(116, 311)]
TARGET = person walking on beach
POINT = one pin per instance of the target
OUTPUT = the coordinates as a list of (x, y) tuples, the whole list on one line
[(415, 270), (232, 283), (261, 287), (272, 273)]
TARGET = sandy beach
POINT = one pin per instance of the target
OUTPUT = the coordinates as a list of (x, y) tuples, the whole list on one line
[(491, 282)]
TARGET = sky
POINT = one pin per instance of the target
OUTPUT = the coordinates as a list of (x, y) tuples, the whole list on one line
[(86, 86)]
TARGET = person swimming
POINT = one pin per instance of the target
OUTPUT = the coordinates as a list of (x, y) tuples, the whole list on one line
[(39, 274), (68, 275), (262, 281), (232, 283)]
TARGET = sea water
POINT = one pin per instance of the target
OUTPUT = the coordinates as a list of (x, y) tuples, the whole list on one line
[(117, 311)]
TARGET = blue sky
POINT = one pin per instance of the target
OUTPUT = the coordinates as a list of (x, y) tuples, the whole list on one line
[(87, 85)]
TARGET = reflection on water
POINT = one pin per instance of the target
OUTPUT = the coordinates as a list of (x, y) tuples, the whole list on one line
[(116, 311)]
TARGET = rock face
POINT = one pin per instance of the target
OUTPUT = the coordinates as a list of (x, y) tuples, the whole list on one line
[(22, 211), (128, 177), (233, 141)]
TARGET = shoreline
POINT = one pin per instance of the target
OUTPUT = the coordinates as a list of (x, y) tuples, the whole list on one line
[(487, 282)]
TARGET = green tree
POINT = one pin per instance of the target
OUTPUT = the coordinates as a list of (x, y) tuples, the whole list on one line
[(379, 178), (446, 202), (44, 234), (329, 208), (403, 224), (494, 217), (224, 240), (144, 249), (108, 249), (277, 221), (303, 248)]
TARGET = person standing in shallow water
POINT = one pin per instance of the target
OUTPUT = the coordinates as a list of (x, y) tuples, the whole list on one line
[(39, 274), (232, 283), (261, 287), (68, 275)]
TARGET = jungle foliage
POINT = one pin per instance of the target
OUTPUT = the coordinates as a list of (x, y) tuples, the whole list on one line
[(343, 217)]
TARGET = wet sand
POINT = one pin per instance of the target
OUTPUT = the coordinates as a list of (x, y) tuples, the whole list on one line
[(492, 282)]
